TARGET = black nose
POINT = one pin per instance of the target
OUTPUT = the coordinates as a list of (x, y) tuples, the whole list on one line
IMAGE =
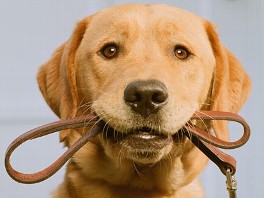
[(146, 97)]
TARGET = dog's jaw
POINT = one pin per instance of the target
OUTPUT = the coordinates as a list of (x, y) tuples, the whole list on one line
[(142, 145)]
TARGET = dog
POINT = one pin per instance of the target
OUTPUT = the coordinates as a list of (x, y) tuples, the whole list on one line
[(144, 70)]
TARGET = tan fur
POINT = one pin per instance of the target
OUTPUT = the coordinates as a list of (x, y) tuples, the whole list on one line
[(77, 80)]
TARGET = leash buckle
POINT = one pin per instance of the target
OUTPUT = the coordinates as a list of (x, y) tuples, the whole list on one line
[(231, 184)]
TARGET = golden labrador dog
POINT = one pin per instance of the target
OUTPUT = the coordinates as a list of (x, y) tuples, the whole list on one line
[(144, 70)]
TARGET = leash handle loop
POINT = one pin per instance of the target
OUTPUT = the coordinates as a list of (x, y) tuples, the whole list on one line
[(218, 115), (46, 130)]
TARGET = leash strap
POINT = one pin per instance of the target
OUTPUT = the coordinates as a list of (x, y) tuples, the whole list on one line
[(206, 142)]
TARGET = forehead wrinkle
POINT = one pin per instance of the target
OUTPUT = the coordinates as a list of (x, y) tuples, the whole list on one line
[(165, 30), (190, 34), (119, 32), (132, 30), (118, 19)]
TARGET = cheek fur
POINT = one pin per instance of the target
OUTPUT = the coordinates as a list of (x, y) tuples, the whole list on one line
[(192, 75)]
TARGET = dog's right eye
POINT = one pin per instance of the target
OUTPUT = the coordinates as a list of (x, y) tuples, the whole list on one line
[(109, 51)]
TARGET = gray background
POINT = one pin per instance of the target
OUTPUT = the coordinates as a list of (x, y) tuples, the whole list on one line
[(31, 30)]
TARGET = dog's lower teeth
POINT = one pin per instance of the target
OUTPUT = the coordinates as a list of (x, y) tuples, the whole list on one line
[(147, 136)]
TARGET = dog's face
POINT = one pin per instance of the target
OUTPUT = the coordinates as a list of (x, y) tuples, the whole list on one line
[(145, 74), (144, 70)]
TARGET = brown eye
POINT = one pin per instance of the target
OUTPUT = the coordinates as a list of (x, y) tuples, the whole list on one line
[(109, 51), (181, 52)]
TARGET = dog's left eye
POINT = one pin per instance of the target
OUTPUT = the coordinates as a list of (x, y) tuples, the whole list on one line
[(181, 52), (109, 51)]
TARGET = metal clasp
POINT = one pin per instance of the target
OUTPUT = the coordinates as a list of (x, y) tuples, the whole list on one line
[(231, 184)]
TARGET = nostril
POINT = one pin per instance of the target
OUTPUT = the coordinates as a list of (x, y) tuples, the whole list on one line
[(132, 96), (136, 97), (159, 97)]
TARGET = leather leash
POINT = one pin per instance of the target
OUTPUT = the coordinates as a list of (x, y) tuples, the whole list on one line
[(206, 142)]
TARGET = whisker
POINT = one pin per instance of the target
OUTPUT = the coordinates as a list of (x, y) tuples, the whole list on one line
[(107, 127), (204, 114), (80, 105), (137, 171), (119, 156), (86, 123), (86, 109), (204, 123), (189, 133)]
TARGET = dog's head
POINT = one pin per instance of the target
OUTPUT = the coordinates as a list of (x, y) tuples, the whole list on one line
[(144, 70)]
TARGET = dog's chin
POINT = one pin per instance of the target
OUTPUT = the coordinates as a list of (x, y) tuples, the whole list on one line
[(141, 145)]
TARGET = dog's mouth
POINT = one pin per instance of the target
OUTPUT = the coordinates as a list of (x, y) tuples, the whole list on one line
[(141, 136), (141, 144)]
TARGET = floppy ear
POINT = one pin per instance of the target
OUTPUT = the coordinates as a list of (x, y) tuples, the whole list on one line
[(231, 84), (56, 78)]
